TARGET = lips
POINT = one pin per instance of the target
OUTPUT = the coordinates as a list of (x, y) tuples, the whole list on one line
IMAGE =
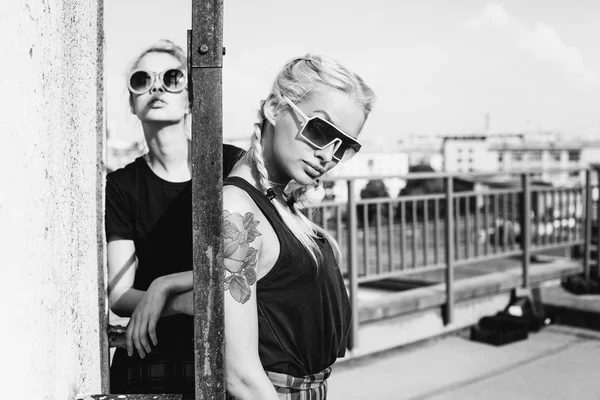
[(156, 103), (315, 170)]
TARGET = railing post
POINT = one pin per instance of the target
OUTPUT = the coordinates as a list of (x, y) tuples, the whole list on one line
[(588, 224), (352, 268), (597, 234), (207, 196), (526, 227), (449, 314)]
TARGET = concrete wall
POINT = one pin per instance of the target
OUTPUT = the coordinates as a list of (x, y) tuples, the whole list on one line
[(52, 130)]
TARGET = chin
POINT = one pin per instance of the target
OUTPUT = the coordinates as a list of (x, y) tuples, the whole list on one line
[(305, 179), (162, 119)]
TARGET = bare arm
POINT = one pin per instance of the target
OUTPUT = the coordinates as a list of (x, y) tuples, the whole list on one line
[(245, 375), (166, 295), (122, 297)]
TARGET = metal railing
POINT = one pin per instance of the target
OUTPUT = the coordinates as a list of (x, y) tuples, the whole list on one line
[(385, 238)]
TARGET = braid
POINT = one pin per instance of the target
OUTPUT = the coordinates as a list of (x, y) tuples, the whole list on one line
[(259, 163), (293, 219)]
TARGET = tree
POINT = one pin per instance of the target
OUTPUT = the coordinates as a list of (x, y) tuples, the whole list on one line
[(421, 186), (375, 189)]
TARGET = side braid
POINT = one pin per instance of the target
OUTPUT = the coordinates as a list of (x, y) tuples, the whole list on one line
[(303, 231), (257, 158)]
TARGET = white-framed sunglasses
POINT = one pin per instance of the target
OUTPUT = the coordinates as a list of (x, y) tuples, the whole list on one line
[(140, 81), (320, 133)]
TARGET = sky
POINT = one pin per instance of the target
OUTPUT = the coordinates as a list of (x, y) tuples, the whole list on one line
[(437, 67)]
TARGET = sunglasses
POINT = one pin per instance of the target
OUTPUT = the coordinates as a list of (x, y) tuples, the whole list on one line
[(320, 133), (174, 80)]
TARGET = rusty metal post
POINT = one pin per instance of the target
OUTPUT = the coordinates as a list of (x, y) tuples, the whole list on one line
[(352, 267), (526, 228), (588, 225), (207, 197), (449, 311)]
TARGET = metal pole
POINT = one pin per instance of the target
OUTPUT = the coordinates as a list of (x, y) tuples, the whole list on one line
[(526, 227), (352, 267), (449, 315), (588, 224), (206, 58)]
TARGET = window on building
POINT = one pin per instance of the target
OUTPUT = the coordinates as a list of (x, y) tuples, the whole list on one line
[(555, 154), (517, 156), (500, 157), (574, 155), (535, 155)]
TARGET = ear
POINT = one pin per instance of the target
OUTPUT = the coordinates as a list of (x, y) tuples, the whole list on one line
[(269, 112), (271, 119)]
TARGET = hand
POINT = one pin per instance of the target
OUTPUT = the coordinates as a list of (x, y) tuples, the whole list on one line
[(144, 319)]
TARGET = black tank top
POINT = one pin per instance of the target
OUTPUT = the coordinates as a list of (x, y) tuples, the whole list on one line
[(303, 318)]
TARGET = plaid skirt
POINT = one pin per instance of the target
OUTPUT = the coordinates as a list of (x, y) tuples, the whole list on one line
[(158, 372), (309, 387)]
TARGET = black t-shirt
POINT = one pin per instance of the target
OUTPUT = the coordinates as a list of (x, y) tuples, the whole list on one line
[(156, 215)]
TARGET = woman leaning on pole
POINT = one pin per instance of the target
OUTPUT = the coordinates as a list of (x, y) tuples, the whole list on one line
[(149, 231)]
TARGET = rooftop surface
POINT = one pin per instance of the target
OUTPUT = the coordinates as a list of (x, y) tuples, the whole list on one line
[(559, 362)]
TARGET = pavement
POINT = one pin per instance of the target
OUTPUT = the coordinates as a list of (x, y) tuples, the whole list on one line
[(559, 362)]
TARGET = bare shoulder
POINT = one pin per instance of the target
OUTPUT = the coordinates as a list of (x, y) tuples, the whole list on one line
[(235, 198), (242, 241)]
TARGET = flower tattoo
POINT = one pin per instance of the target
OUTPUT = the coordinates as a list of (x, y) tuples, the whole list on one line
[(239, 258)]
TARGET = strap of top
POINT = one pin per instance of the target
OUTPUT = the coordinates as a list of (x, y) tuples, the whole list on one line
[(263, 203)]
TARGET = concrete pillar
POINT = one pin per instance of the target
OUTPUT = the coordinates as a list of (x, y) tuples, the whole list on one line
[(51, 203)]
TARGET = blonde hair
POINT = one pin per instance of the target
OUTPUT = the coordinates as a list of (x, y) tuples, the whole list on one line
[(297, 81)]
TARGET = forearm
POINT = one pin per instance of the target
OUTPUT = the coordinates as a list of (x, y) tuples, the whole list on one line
[(177, 283), (123, 304), (180, 303)]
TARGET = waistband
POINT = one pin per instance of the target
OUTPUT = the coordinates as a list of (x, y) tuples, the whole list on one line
[(284, 381)]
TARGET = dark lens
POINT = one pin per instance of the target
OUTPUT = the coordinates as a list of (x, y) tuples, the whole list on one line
[(345, 152), (319, 132), (174, 79), (140, 81), (347, 149)]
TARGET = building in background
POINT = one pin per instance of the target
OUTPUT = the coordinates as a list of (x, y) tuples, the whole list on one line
[(516, 152), (466, 154), (375, 158)]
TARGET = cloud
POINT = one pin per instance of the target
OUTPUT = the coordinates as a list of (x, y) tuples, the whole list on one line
[(541, 41)]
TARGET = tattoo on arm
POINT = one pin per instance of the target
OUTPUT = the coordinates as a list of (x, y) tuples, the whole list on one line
[(239, 258)]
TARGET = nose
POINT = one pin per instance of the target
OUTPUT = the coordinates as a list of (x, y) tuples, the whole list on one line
[(326, 154), (157, 85)]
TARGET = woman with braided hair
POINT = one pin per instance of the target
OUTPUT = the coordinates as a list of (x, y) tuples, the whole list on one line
[(287, 313)]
